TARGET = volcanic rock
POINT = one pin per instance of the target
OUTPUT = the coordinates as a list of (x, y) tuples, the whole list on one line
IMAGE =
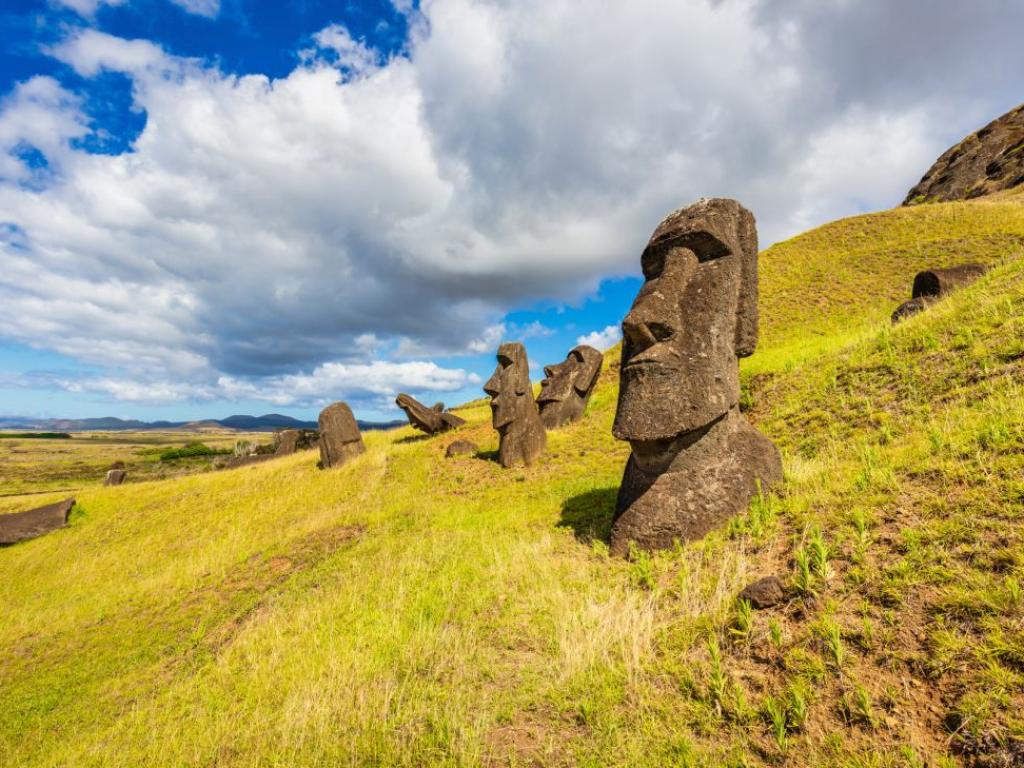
[(340, 439), (22, 526), (461, 448), (513, 410), (429, 420)]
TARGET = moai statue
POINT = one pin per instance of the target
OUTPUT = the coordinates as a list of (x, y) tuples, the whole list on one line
[(339, 435), (696, 461), (286, 442), (429, 420), (115, 477), (513, 410), (931, 285), (565, 392)]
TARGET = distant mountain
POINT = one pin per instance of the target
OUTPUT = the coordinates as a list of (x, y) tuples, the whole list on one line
[(266, 423), (987, 161)]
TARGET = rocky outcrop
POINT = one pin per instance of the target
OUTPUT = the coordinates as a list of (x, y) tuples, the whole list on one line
[(988, 161), (22, 526)]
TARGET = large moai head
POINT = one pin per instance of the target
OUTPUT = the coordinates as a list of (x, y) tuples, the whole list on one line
[(513, 410), (340, 439), (429, 420), (696, 313), (566, 390)]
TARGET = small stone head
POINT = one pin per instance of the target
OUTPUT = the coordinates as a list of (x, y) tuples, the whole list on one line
[(509, 385), (695, 314), (567, 387)]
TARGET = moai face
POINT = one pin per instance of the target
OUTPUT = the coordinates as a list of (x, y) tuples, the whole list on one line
[(564, 393), (509, 386), (695, 314), (340, 439)]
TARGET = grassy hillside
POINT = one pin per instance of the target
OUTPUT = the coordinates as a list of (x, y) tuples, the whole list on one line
[(410, 610)]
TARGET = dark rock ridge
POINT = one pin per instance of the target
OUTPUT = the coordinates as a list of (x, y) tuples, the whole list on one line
[(985, 162), (340, 439), (22, 526), (695, 460), (513, 410), (429, 420), (568, 385)]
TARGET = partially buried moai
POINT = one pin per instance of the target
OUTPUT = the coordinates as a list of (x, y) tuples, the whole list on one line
[(340, 439), (513, 409), (429, 420), (695, 460), (566, 390)]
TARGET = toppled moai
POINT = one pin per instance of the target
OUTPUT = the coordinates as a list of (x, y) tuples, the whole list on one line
[(22, 526), (429, 420), (513, 410), (340, 439), (565, 392), (288, 441), (931, 285), (695, 460), (115, 477)]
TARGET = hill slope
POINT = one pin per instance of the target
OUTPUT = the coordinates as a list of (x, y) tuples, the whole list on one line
[(411, 610)]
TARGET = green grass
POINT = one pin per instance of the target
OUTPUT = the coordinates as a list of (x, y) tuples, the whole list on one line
[(410, 610)]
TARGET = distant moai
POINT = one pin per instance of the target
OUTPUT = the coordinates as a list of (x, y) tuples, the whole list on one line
[(115, 477), (22, 526), (288, 441), (429, 420), (695, 460), (565, 392), (931, 285), (340, 439), (513, 410)]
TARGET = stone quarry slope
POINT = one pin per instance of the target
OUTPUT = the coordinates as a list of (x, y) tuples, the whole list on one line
[(409, 610), (990, 160)]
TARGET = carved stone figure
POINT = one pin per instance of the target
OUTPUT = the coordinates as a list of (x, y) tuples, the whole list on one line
[(931, 285), (115, 477), (565, 392), (288, 441), (340, 439), (695, 461), (429, 420), (513, 409), (21, 526)]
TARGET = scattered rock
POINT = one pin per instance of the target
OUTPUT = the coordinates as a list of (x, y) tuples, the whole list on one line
[(461, 448), (567, 388), (340, 439), (115, 477), (988, 161), (695, 460), (429, 420), (22, 526), (764, 593), (513, 410)]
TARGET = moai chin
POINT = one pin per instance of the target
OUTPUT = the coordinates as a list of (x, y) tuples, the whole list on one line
[(565, 392), (429, 420), (340, 439), (513, 410), (695, 460)]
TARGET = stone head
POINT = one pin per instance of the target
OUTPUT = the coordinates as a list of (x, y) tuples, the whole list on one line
[(695, 314), (509, 386), (573, 377)]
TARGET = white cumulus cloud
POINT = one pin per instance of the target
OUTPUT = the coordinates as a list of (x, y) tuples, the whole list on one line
[(603, 339)]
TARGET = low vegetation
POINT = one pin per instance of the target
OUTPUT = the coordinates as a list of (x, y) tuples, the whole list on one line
[(409, 610)]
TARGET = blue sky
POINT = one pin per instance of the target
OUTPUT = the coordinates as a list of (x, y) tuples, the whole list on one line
[(225, 206)]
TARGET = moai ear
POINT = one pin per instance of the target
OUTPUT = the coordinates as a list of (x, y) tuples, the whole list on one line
[(592, 360), (746, 308)]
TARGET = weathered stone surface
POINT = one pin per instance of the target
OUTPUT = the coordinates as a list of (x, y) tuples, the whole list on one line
[(117, 465), (340, 439), (936, 283), (513, 410), (429, 420), (115, 477), (565, 392), (22, 526), (911, 307), (695, 460), (461, 448), (988, 161), (764, 593), (233, 462), (286, 441)]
